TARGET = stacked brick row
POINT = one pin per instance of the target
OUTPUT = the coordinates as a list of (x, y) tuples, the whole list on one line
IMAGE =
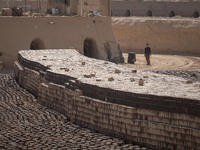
[(160, 103), (155, 102), (143, 126), (157, 122)]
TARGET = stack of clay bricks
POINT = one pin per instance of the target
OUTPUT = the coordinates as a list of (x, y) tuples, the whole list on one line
[(25, 124), (156, 122)]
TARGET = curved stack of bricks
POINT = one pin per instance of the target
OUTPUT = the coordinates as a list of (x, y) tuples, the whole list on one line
[(106, 97)]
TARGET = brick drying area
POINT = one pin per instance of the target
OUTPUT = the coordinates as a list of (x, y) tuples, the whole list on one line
[(155, 110), (71, 63), (25, 124)]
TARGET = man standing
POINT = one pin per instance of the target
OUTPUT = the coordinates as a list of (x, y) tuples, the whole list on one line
[(147, 53)]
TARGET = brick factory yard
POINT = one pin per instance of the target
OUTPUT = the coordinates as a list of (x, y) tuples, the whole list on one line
[(25, 124)]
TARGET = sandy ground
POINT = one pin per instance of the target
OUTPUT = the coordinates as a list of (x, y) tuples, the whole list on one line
[(158, 63), (165, 62)]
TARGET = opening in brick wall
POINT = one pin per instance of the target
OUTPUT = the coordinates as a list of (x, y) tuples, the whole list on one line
[(172, 14), (90, 48), (196, 14), (37, 44), (128, 13), (149, 13)]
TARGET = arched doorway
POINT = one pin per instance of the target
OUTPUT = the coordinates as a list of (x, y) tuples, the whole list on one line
[(128, 13), (74, 6), (149, 13), (67, 3), (37, 44), (195, 14), (171, 14), (90, 48)]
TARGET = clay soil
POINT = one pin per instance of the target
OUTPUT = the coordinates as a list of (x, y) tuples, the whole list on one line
[(165, 62), (187, 67)]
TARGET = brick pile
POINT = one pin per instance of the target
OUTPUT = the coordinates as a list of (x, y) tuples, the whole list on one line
[(155, 121), (25, 124)]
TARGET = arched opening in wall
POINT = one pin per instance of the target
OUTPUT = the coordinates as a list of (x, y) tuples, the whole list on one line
[(149, 13), (195, 14), (67, 3), (128, 13), (37, 44), (171, 14), (90, 48)]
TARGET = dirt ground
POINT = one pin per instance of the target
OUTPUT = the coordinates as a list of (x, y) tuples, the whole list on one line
[(165, 62)]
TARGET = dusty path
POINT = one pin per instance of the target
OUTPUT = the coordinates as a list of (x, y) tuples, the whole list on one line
[(165, 62)]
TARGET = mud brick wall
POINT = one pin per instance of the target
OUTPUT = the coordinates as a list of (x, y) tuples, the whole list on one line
[(58, 35), (153, 127), (29, 79), (140, 8)]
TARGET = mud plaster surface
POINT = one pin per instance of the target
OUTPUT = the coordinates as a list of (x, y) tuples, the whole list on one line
[(175, 35), (71, 63)]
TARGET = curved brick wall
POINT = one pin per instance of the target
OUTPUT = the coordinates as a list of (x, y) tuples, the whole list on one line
[(154, 121)]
